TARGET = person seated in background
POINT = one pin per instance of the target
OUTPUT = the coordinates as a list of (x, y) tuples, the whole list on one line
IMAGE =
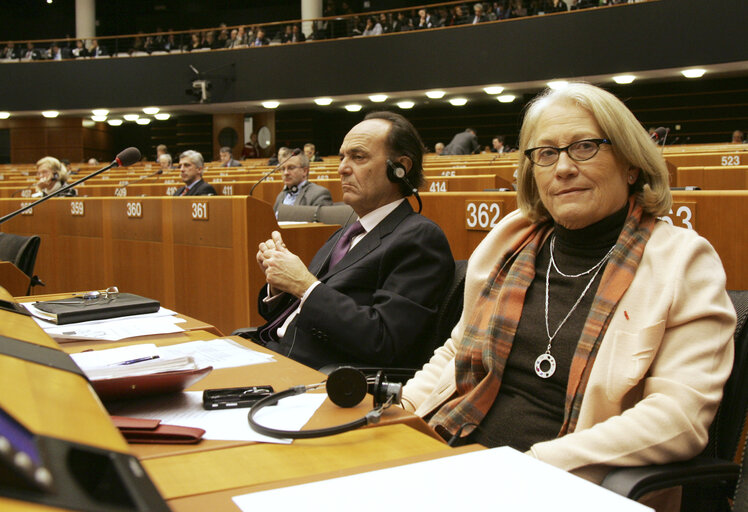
[(164, 162), (497, 145), (227, 159), (593, 334), (92, 161), (283, 153), (737, 137), (191, 166), (464, 143), (95, 50), (439, 148), (479, 15), (80, 50), (374, 287), (31, 53), (260, 39), (251, 148), (10, 51), (51, 176), (161, 149), (54, 52), (310, 150), (298, 190), (372, 28)]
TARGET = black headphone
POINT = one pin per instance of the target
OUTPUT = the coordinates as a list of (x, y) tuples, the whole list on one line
[(396, 174), (346, 387), (293, 190)]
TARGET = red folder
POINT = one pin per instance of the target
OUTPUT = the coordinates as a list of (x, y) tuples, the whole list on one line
[(145, 431), (153, 384)]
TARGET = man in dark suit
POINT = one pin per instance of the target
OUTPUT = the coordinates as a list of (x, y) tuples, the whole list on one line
[(310, 150), (191, 166), (372, 300), (227, 159), (464, 143), (297, 189)]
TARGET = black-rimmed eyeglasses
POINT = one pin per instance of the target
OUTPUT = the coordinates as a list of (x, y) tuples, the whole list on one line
[(578, 151)]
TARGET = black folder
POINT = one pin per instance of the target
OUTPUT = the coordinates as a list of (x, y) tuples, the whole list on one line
[(78, 309)]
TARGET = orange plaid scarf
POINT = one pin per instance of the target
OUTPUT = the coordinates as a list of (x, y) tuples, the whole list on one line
[(484, 349)]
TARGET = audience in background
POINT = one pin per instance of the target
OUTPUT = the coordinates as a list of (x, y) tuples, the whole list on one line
[(738, 137)]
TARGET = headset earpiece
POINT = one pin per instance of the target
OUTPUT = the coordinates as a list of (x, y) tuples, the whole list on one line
[(346, 386), (293, 190), (395, 173)]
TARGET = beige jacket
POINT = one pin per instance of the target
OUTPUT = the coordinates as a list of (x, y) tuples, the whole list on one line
[(658, 377)]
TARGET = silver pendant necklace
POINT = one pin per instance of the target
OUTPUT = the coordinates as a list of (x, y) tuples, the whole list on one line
[(546, 356)]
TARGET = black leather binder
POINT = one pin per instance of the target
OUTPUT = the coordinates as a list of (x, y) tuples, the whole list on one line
[(78, 309)]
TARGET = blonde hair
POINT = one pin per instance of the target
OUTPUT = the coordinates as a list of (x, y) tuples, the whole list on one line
[(630, 143), (55, 166)]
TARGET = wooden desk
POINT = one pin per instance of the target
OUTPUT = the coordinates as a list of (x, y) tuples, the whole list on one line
[(196, 255), (466, 217), (216, 470)]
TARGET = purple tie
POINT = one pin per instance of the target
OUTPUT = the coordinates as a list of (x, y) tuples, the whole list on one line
[(344, 244)]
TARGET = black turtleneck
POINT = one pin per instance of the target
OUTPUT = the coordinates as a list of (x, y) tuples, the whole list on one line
[(530, 409)]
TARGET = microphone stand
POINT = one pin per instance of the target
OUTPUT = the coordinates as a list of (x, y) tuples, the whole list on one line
[(58, 192), (160, 171)]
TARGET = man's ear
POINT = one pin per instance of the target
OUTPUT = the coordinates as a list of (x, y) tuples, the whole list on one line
[(405, 162)]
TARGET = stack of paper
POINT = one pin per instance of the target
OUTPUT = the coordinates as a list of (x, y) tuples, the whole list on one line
[(130, 361)]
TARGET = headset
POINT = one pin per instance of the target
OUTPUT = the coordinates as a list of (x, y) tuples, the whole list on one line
[(396, 174), (293, 189), (346, 387)]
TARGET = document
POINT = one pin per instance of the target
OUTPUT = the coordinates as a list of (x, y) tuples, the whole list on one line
[(218, 353), (163, 321), (497, 479), (186, 409)]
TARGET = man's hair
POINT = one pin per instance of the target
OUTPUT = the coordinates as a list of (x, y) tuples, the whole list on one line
[(629, 141), (303, 160), (194, 157), (161, 147), (165, 156), (403, 140), (310, 145), (283, 153), (225, 149), (499, 137)]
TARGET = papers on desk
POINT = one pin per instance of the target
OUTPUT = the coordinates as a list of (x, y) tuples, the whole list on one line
[(497, 479), (186, 409), (148, 358), (163, 321)]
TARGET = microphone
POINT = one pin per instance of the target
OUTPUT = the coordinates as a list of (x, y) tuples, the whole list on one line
[(160, 171), (296, 152), (125, 158), (660, 134)]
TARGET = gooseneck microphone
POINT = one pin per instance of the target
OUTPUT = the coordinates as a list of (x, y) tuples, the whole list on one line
[(160, 171), (296, 152), (125, 158)]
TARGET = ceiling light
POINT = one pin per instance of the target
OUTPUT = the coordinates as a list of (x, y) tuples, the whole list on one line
[(624, 79), (114, 122), (4, 115), (557, 84), (495, 89), (435, 95), (323, 102), (143, 120), (693, 73), (162, 116), (87, 123), (100, 112), (131, 117), (353, 107), (506, 98), (405, 104), (270, 104), (378, 98), (151, 110), (98, 119), (458, 102), (50, 114)]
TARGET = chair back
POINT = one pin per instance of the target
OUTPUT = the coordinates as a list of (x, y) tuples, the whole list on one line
[(334, 214), (20, 250)]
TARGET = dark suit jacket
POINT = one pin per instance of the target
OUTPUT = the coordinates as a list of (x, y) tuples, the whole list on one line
[(377, 303), (464, 143), (201, 188), (310, 194)]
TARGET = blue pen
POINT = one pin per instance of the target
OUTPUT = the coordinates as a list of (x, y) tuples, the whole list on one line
[(138, 360)]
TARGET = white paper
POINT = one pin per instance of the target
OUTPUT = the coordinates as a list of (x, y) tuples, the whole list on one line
[(186, 409), (94, 358), (497, 479), (218, 353), (162, 321)]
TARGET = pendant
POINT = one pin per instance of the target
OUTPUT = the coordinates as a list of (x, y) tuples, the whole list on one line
[(551, 365)]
